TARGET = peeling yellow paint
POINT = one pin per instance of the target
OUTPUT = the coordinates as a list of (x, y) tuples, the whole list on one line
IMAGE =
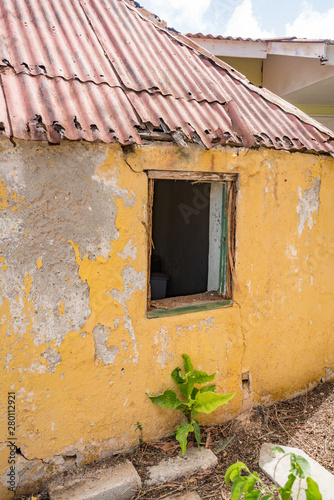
[(7, 198), (274, 329), (39, 262), (19, 199), (3, 196), (5, 318), (61, 308)]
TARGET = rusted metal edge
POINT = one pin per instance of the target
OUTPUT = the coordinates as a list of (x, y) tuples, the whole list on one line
[(168, 137)]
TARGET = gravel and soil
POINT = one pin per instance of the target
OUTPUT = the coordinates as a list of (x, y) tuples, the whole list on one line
[(305, 422)]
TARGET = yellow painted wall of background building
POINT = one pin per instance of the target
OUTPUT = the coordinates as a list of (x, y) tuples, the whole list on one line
[(252, 68), (76, 345)]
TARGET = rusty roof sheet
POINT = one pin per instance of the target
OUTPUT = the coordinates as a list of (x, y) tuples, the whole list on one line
[(106, 70)]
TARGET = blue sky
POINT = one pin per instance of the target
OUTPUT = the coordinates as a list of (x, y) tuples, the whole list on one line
[(248, 18)]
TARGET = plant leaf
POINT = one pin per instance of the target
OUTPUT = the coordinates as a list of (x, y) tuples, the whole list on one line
[(197, 432), (194, 392), (254, 495), (177, 375), (188, 385), (191, 379), (194, 414), (286, 491), (181, 435), (301, 464), (267, 497), (249, 485), (208, 401), (238, 487), (291, 479), (188, 366), (167, 400), (208, 388), (285, 494), (312, 491), (279, 449), (233, 471), (202, 377)]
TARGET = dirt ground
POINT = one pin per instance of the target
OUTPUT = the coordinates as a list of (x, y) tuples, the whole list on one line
[(305, 422)]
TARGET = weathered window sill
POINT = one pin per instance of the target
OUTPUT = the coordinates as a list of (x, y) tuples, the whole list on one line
[(188, 304)]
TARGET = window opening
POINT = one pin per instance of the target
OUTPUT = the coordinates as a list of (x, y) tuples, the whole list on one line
[(191, 238)]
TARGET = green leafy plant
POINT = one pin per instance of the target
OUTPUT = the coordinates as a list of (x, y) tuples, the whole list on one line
[(195, 400), (244, 481)]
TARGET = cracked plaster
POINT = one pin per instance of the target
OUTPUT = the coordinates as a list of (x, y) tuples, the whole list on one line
[(84, 405), (106, 354), (48, 199)]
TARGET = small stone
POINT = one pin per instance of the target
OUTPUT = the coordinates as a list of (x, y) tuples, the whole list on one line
[(117, 483), (279, 473), (173, 468)]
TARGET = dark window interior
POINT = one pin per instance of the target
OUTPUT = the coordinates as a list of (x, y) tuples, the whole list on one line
[(180, 234)]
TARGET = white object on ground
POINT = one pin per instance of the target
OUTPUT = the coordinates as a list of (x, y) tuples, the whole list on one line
[(268, 461)]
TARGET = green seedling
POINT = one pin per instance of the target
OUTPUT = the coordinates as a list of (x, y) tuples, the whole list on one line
[(195, 400), (244, 481), (223, 444), (139, 428)]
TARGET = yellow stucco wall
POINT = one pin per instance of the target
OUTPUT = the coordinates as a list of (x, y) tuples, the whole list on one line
[(317, 110), (76, 346), (250, 67)]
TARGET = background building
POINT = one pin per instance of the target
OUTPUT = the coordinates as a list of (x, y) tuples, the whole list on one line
[(299, 70)]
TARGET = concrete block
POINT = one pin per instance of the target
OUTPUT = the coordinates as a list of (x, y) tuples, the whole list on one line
[(268, 461), (191, 462), (117, 483)]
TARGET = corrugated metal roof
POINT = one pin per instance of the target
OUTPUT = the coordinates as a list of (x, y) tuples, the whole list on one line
[(291, 39), (100, 70)]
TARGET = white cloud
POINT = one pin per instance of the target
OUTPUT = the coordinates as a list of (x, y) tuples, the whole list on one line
[(312, 24), (183, 15), (244, 23)]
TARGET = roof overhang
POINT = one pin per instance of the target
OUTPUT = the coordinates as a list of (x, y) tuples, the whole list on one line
[(261, 49)]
